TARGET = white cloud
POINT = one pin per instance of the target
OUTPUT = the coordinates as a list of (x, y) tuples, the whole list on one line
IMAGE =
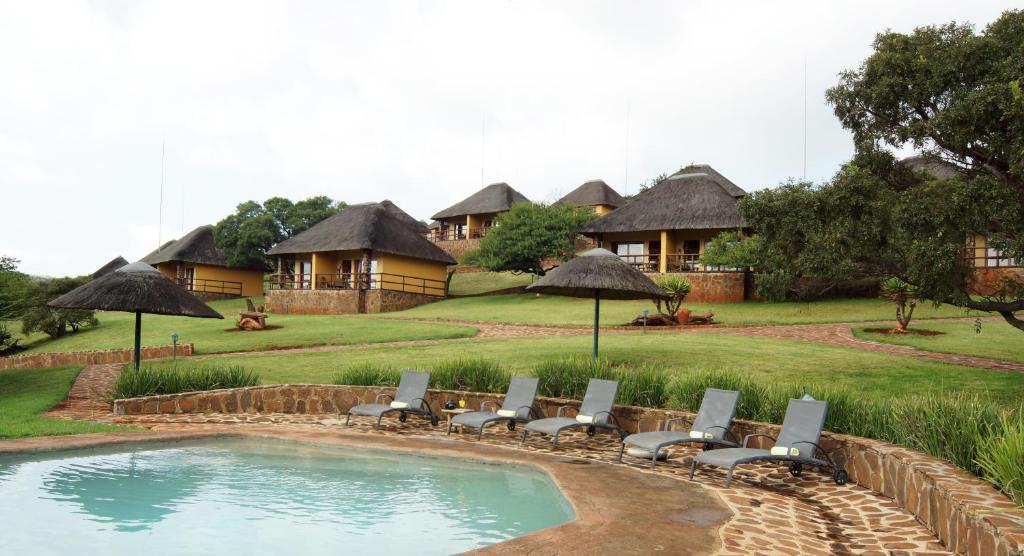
[(370, 100)]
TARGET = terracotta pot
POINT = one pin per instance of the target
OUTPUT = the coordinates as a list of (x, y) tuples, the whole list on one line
[(683, 316)]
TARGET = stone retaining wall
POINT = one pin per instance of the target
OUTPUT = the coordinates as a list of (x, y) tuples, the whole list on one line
[(987, 281), (343, 302), (44, 360), (967, 514), (458, 247), (713, 287)]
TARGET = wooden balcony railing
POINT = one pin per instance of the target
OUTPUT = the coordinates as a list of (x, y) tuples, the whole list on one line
[(204, 285), (981, 257), (454, 234), (374, 281), (674, 263)]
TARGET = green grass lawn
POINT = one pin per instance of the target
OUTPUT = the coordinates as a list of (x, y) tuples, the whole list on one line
[(213, 336), (474, 283), (996, 339), (533, 309), (800, 363), (25, 394)]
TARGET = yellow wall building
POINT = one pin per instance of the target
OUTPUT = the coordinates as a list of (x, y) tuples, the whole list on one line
[(196, 264), (595, 195), (474, 215)]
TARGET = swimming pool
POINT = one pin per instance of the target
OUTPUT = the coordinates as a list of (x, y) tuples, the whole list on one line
[(265, 497)]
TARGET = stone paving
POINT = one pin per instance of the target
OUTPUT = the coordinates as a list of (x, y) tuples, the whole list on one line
[(773, 513)]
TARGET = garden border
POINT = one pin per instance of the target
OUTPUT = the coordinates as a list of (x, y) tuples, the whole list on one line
[(99, 357)]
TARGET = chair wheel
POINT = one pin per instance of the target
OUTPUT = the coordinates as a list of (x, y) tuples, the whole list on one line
[(402, 416), (840, 477), (434, 421), (591, 430), (795, 469), (511, 425)]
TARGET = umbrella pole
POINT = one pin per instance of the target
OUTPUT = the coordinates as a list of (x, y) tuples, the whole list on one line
[(597, 319), (138, 340)]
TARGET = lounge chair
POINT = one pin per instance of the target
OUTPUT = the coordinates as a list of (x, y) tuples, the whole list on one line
[(410, 398), (595, 412), (517, 408), (710, 427), (797, 444)]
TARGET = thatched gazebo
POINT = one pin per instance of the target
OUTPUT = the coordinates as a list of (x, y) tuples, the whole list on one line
[(598, 273), (136, 288)]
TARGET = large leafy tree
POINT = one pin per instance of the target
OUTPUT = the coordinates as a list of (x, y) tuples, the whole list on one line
[(246, 235), (528, 237), (955, 95), (38, 317), (12, 288)]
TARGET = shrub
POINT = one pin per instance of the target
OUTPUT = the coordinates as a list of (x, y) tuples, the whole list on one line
[(368, 374), (567, 377), (7, 340), (152, 381), (473, 375), (1002, 458), (645, 385)]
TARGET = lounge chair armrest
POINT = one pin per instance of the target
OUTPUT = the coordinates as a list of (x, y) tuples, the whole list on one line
[(379, 396), (530, 411), (610, 415), (728, 433), (489, 403), (668, 422), (746, 439), (816, 447), (563, 408), (423, 403)]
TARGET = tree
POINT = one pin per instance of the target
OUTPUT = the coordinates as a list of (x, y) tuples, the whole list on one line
[(528, 236), (955, 95), (904, 296), (731, 249), (677, 288), (246, 235), (38, 317), (12, 288)]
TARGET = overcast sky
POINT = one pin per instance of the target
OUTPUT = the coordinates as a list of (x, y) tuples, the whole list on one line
[(420, 103)]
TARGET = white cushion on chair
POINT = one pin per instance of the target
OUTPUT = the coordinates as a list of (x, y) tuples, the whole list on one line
[(585, 419), (506, 413), (701, 435), (399, 405), (784, 451)]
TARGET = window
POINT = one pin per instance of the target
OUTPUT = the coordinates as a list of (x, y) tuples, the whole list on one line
[(629, 248)]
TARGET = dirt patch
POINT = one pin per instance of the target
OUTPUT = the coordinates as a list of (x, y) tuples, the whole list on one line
[(910, 332)]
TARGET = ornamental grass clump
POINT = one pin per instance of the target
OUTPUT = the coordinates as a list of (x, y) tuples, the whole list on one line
[(472, 375), (1001, 458), (368, 374), (154, 381), (644, 384)]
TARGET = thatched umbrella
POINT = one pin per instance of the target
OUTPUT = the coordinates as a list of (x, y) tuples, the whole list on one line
[(136, 288), (598, 273)]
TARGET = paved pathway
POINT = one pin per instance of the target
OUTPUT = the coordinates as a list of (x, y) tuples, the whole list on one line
[(773, 513)]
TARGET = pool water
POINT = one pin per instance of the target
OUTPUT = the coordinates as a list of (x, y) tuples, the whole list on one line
[(233, 496)]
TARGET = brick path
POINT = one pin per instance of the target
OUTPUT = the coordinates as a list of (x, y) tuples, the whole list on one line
[(773, 513)]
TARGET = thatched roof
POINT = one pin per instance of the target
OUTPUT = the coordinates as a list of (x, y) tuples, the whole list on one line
[(726, 184), (372, 226), (196, 247), (598, 269), (934, 166), (135, 288), (591, 193), (680, 202), (497, 197), (417, 225), (113, 265)]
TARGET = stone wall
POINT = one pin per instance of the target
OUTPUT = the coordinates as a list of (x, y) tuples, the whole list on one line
[(383, 301), (966, 513), (313, 302), (989, 280), (713, 287), (458, 247), (45, 360), (342, 302)]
